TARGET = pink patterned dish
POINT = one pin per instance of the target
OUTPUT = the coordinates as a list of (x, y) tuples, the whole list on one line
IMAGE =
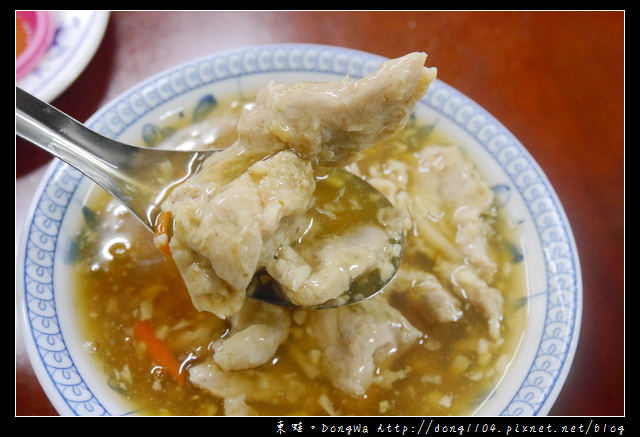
[(40, 28)]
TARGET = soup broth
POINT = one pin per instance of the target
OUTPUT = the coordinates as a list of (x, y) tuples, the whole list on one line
[(125, 284)]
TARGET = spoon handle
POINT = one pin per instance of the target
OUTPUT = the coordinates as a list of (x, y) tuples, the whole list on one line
[(98, 157), (121, 169)]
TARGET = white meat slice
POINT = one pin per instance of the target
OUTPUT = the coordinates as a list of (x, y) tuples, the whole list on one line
[(237, 406), (255, 335), (223, 213), (329, 122), (357, 338), (423, 290), (450, 206), (219, 230), (449, 194), (324, 269), (254, 385), (471, 287), (207, 290)]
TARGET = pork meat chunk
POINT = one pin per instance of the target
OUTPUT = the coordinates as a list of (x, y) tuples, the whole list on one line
[(255, 335), (223, 214), (324, 269), (423, 290), (457, 204), (329, 122), (218, 231), (358, 338), (252, 385)]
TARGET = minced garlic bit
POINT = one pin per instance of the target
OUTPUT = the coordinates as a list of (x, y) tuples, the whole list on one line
[(445, 401), (325, 403)]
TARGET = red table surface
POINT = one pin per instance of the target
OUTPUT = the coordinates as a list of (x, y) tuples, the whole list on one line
[(554, 79)]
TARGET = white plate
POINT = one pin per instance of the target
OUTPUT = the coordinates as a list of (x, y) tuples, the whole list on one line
[(77, 37), (46, 300)]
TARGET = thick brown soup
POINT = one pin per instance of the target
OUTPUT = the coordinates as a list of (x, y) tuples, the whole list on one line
[(144, 332)]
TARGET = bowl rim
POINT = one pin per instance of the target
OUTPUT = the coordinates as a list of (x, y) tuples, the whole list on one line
[(557, 379)]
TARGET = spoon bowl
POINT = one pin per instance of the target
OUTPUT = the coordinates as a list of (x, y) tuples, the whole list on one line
[(130, 174)]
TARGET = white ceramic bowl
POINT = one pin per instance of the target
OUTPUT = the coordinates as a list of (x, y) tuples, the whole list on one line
[(46, 299)]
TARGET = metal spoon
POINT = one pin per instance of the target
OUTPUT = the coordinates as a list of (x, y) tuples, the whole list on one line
[(124, 171), (115, 166)]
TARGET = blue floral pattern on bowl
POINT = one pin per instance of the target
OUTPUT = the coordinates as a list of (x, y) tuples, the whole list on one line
[(555, 292)]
